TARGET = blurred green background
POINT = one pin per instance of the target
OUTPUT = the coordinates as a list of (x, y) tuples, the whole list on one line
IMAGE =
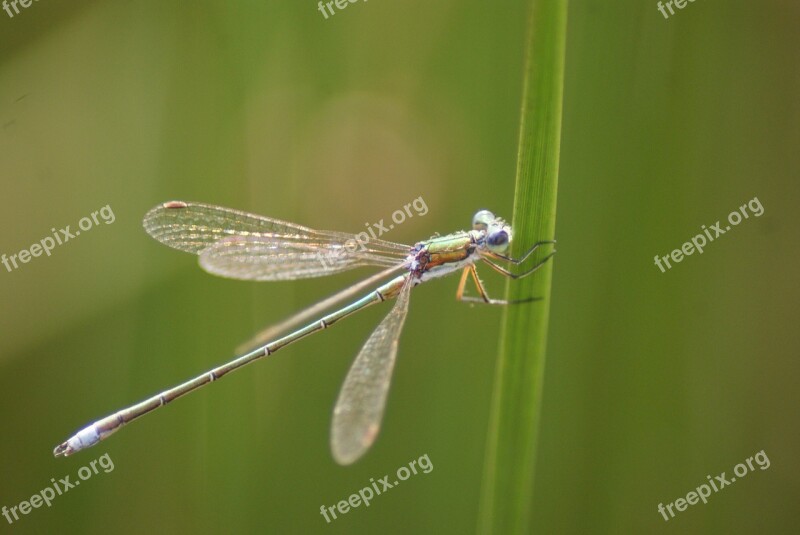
[(654, 380)]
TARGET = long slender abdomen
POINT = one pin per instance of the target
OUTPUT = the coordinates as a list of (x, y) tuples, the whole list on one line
[(101, 429)]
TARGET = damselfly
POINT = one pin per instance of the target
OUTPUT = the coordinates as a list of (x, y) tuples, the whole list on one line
[(244, 246)]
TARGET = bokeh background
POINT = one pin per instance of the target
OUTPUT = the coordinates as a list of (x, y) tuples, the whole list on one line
[(654, 380)]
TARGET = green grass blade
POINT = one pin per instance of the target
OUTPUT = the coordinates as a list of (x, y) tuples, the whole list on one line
[(506, 498)]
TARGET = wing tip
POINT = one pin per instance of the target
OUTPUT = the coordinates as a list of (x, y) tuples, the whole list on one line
[(346, 450), (152, 220), (344, 456)]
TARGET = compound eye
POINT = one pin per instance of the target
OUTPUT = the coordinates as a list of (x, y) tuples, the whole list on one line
[(482, 220), (497, 241)]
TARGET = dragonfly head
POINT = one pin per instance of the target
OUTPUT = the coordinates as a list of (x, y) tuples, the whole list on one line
[(495, 234)]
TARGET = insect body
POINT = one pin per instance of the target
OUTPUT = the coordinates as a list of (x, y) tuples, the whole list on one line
[(235, 244)]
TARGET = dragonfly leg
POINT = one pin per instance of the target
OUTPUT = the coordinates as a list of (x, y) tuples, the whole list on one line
[(461, 284), (507, 273), (523, 257), (484, 296)]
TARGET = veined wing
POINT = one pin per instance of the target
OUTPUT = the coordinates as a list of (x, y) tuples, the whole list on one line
[(270, 258), (274, 331), (239, 245), (359, 409)]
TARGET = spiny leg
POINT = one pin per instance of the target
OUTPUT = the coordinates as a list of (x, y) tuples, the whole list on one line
[(461, 284), (515, 276), (524, 257), (484, 297)]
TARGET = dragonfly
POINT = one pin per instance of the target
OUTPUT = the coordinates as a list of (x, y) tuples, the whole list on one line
[(235, 244)]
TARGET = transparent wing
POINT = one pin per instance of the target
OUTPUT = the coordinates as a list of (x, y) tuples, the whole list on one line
[(239, 245), (359, 409), (270, 258), (273, 331)]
